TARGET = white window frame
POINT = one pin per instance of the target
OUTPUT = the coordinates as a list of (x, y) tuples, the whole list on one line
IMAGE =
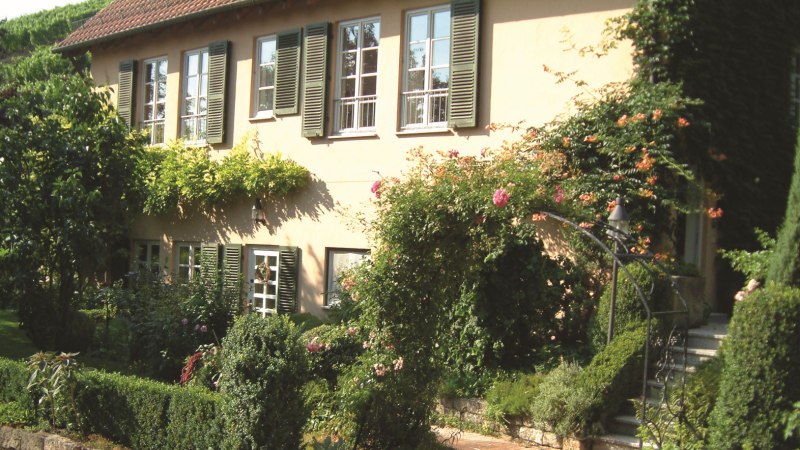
[(147, 263), (262, 295), (152, 87), (428, 98), (200, 115), (334, 266), (257, 88), (192, 266), (359, 107)]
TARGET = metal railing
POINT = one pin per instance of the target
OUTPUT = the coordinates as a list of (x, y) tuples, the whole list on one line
[(666, 364), (424, 109), (355, 114)]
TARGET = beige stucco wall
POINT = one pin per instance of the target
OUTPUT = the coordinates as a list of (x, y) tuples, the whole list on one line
[(517, 38)]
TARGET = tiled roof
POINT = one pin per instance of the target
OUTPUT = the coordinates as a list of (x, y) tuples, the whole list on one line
[(123, 17)]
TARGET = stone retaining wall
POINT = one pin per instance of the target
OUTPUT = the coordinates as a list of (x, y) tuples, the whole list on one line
[(18, 439), (473, 410)]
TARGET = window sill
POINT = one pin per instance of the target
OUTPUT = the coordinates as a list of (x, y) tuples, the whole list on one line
[(261, 118), (328, 307), (415, 131), (361, 135)]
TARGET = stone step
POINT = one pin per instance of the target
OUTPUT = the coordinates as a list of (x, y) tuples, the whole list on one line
[(615, 442), (718, 318), (624, 424), (706, 338), (694, 356)]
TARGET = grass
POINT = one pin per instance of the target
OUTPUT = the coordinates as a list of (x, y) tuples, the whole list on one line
[(16, 345)]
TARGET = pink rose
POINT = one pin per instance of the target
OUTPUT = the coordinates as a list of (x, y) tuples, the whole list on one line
[(203, 329), (558, 197), (312, 346), (500, 198), (375, 189), (185, 322)]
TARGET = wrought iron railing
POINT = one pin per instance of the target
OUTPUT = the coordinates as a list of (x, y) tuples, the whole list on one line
[(355, 114), (424, 109), (665, 366)]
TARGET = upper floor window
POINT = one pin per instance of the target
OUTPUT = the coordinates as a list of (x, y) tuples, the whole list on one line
[(357, 76), (155, 98), (426, 77), (195, 96), (264, 77)]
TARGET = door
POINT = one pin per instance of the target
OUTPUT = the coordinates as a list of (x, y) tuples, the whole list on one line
[(263, 272)]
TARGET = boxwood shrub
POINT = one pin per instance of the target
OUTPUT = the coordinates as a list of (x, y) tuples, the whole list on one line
[(145, 414), (264, 368), (13, 380), (759, 381)]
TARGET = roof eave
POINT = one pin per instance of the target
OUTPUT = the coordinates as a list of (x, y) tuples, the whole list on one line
[(84, 45)]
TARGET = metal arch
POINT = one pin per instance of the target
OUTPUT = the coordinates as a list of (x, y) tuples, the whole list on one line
[(622, 239)]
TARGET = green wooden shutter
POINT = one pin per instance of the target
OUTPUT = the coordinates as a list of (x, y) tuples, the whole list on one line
[(126, 91), (232, 266), (209, 260), (315, 79), (289, 263), (465, 21), (217, 74), (287, 72)]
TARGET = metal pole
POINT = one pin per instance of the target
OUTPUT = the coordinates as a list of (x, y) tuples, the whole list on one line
[(613, 296)]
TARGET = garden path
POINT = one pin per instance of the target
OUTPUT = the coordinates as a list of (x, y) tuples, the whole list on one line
[(464, 440)]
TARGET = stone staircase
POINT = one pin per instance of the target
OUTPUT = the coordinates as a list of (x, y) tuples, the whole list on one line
[(702, 346)]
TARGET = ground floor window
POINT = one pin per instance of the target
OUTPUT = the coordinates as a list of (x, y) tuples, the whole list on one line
[(337, 261), (187, 259), (148, 257), (263, 273)]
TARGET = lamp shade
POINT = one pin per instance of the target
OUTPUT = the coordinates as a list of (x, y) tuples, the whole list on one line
[(619, 218)]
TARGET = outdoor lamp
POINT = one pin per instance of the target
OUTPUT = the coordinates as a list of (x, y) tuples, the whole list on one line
[(619, 220), (257, 213)]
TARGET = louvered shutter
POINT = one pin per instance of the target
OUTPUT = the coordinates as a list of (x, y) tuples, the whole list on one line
[(232, 267), (315, 79), (287, 72), (289, 259), (217, 74), (465, 21), (126, 91), (209, 261)]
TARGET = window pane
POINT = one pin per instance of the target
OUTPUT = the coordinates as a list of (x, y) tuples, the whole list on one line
[(191, 86), (265, 97), (191, 107), (158, 133), (369, 61), (350, 37), (368, 85), (149, 73), (270, 290), (205, 62), (160, 108), (349, 87), (270, 303), (162, 71), (372, 33), (267, 51), (154, 261), (267, 76), (349, 63), (191, 64), (183, 273), (188, 129), (203, 106), (183, 255), (416, 55), (441, 24), (441, 53), (201, 125), (418, 27), (162, 91), (416, 80), (141, 251), (203, 85), (367, 117), (440, 78)]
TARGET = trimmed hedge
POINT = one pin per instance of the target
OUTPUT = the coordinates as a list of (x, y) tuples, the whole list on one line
[(629, 310), (13, 381), (145, 414), (264, 368), (574, 401), (759, 381), (784, 267)]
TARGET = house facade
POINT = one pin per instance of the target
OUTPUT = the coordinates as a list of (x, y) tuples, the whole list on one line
[(343, 87)]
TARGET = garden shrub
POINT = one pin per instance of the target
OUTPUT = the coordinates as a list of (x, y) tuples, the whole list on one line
[(305, 321), (331, 349), (700, 395), (264, 369), (146, 414), (759, 379), (575, 402), (784, 266), (513, 397), (629, 310), (79, 335), (13, 381)]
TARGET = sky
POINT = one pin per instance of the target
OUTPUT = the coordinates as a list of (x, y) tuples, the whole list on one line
[(15, 8)]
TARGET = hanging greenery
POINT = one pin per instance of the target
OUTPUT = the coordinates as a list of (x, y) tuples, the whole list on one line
[(185, 179)]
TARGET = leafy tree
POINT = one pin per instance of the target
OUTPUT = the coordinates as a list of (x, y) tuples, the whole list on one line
[(68, 170)]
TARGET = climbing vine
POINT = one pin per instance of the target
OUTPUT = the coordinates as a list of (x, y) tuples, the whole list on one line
[(186, 179)]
